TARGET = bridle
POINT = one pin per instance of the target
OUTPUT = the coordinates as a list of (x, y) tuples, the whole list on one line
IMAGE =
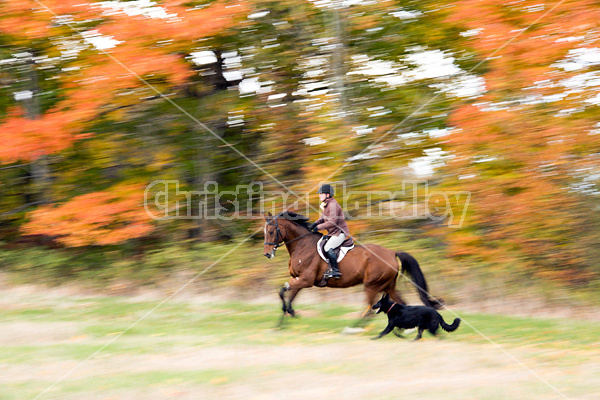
[(279, 236)]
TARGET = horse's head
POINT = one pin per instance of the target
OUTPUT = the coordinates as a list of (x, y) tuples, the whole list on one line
[(273, 235), (285, 227)]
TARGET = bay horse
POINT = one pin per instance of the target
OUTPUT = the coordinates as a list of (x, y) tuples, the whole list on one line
[(372, 265)]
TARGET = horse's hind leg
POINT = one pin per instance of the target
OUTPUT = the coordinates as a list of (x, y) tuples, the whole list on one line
[(370, 294), (393, 293)]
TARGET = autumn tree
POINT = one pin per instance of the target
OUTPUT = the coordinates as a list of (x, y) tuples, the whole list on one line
[(522, 148), (101, 64)]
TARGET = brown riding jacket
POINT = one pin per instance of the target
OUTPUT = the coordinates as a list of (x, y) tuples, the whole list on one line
[(332, 218)]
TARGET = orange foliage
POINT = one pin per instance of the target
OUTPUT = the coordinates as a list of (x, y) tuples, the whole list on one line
[(99, 218), (519, 156), (99, 78), (30, 139)]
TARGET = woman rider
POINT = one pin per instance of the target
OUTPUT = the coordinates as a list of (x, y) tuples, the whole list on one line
[(332, 220)]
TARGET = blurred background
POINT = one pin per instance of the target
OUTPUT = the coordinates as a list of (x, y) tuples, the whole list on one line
[(499, 99), (492, 106)]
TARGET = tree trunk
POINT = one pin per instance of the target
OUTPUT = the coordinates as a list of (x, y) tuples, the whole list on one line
[(39, 172)]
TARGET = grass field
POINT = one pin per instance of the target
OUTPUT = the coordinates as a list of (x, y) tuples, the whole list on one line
[(209, 349)]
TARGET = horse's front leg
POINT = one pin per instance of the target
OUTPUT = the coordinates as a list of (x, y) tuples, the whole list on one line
[(294, 285), (297, 284), (284, 289), (284, 307)]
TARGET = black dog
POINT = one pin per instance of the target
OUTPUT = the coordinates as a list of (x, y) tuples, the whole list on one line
[(407, 317)]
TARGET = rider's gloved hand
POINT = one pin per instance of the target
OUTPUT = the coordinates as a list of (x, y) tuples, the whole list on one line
[(313, 227)]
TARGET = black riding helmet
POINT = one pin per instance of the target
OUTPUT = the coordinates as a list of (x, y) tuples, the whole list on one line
[(327, 188)]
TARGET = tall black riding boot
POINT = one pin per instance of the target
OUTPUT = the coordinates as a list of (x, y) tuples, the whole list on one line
[(333, 271)]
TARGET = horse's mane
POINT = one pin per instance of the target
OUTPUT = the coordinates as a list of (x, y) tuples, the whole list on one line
[(296, 218)]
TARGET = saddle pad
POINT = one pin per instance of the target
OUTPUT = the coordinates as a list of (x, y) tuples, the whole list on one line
[(342, 250)]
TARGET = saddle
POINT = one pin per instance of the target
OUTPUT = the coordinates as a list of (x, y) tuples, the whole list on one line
[(340, 252)]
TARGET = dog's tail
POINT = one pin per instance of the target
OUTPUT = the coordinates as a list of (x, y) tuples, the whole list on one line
[(412, 268), (450, 328)]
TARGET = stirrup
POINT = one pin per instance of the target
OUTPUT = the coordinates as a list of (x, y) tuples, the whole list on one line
[(330, 273)]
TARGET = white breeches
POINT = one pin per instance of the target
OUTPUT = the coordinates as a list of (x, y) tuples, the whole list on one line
[(335, 241)]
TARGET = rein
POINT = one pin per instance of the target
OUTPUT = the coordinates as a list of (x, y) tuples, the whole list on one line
[(278, 236)]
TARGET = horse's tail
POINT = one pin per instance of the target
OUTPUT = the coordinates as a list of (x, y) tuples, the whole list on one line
[(450, 328), (411, 266)]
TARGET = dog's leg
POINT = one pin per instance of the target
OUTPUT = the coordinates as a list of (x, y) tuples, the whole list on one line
[(387, 330), (399, 335), (433, 327), (419, 335)]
